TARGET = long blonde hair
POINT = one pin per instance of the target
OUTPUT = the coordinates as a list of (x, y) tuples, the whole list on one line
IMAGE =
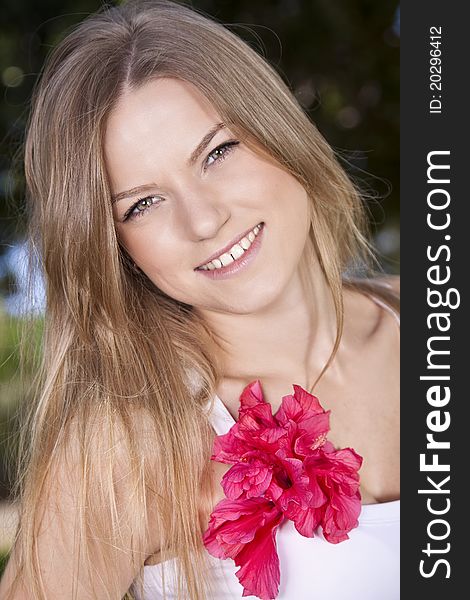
[(118, 354)]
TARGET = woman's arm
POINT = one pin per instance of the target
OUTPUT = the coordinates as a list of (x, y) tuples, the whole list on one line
[(113, 567)]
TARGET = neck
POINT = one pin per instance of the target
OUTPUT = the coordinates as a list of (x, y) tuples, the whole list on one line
[(291, 338)]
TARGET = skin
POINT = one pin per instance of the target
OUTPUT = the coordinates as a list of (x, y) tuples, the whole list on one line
[(267, 327)]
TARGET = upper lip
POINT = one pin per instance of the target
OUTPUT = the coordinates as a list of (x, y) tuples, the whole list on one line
[(227, 247)]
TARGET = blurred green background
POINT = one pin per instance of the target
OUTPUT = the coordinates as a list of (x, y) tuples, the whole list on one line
[(341, 60)]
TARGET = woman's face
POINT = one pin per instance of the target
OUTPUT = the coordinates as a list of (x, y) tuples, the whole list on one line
[(203, 194)]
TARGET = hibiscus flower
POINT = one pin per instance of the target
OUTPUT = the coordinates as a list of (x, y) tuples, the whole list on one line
[(283, 467)]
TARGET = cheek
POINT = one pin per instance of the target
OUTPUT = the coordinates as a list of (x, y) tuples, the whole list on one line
[(292, 210), (164, 267), (149, 252)]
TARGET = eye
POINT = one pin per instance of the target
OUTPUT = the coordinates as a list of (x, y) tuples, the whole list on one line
[(139, 208), (220, 153)]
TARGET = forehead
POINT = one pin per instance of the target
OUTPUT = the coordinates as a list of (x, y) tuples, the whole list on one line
[(162, 117)]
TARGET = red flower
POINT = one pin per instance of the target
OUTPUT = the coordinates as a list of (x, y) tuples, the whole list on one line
[(249, 479), (245, 531), (283, 468), (335, 473)]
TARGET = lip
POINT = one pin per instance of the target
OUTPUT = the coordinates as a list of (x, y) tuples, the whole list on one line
[(240, 263), (229, 245)]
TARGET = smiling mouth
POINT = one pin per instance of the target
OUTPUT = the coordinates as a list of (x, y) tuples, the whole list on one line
[(234, 253)]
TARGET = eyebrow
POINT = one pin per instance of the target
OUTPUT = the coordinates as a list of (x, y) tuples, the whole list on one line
[(206, 140), (141, 189), (192, 159)]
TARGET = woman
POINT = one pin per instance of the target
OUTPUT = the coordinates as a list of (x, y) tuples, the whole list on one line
[(195, 230)]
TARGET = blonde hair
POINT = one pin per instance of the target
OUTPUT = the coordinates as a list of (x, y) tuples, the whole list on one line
[(122, 360)]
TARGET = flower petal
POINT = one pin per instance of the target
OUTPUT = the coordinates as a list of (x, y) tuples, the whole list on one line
[(306, 421), (251, 396), (306, 520), (227, 448), (294, 481), (247, 479), (233, 523), (259, 571), (290, 410), (313, 433), (257, 429), (336, 474), (341, 517), (245, 531), (308, 402), (301, 503)]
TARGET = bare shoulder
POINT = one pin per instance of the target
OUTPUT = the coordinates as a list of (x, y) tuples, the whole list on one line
[(390, 281), (390, 297)]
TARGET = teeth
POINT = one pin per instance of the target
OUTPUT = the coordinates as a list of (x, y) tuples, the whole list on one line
[(234, 253), (237, 251), (226, 259)]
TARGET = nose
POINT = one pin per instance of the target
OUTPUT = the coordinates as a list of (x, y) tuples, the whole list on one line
[(203, 213)]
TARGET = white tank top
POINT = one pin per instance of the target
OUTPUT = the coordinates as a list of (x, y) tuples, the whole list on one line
[(365, 567)]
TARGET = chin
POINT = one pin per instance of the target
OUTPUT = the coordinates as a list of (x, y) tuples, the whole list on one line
[(258, 297)]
